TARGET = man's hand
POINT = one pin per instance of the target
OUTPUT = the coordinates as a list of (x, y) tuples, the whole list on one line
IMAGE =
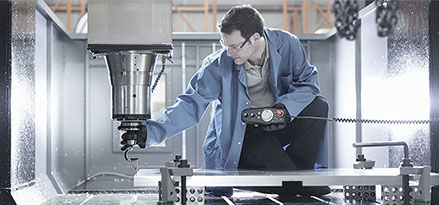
[(131, 138), (275, 127)]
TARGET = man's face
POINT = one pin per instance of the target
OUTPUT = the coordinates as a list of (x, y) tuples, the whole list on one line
[(238, 47)]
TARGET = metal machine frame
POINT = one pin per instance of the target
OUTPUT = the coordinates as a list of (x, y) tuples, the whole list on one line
[(404, 185)]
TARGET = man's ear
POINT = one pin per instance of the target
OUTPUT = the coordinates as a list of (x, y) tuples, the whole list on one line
[(255, 37)]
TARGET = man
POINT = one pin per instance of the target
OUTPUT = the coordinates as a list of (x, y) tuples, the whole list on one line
[(257, 67)]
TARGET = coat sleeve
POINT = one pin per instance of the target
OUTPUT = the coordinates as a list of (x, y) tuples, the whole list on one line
[(204, 87), (304, 83)]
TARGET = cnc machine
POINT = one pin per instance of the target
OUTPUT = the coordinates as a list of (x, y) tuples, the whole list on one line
[(130, 44)]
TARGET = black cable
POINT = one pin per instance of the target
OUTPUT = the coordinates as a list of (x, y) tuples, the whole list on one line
[(158, 77), (371, 121)]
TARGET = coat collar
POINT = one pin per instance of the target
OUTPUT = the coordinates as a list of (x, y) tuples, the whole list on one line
[(274, 45), (272, 39)]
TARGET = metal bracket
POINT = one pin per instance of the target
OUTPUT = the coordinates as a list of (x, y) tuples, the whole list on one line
[(418, 195), (168, 187), (167, 194)]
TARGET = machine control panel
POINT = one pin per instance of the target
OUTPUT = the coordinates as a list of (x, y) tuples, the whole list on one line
[(263, 116)]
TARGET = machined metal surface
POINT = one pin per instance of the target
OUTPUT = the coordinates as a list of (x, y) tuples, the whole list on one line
[(130, 125), (131, 76), (323, 177)]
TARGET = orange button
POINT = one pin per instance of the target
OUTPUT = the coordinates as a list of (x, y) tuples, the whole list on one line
[(280, 113)]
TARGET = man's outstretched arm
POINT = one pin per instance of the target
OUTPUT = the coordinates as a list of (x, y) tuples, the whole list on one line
[(204, 87)]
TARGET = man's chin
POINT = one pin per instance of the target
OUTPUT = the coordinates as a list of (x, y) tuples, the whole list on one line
[(238, 61)]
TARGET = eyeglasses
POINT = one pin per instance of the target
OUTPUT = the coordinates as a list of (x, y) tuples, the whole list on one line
[(234, 48)]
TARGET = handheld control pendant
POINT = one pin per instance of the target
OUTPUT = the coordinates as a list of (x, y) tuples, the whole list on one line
[(263, 116)]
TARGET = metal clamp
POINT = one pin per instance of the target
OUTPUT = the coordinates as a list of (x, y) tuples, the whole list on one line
[(167, 186), (363, 163), (405, 163)]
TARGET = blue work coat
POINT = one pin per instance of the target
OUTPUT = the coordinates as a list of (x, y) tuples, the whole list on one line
[(292, 79)]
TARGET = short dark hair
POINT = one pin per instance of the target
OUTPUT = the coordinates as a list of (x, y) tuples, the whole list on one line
[(243, 18)]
